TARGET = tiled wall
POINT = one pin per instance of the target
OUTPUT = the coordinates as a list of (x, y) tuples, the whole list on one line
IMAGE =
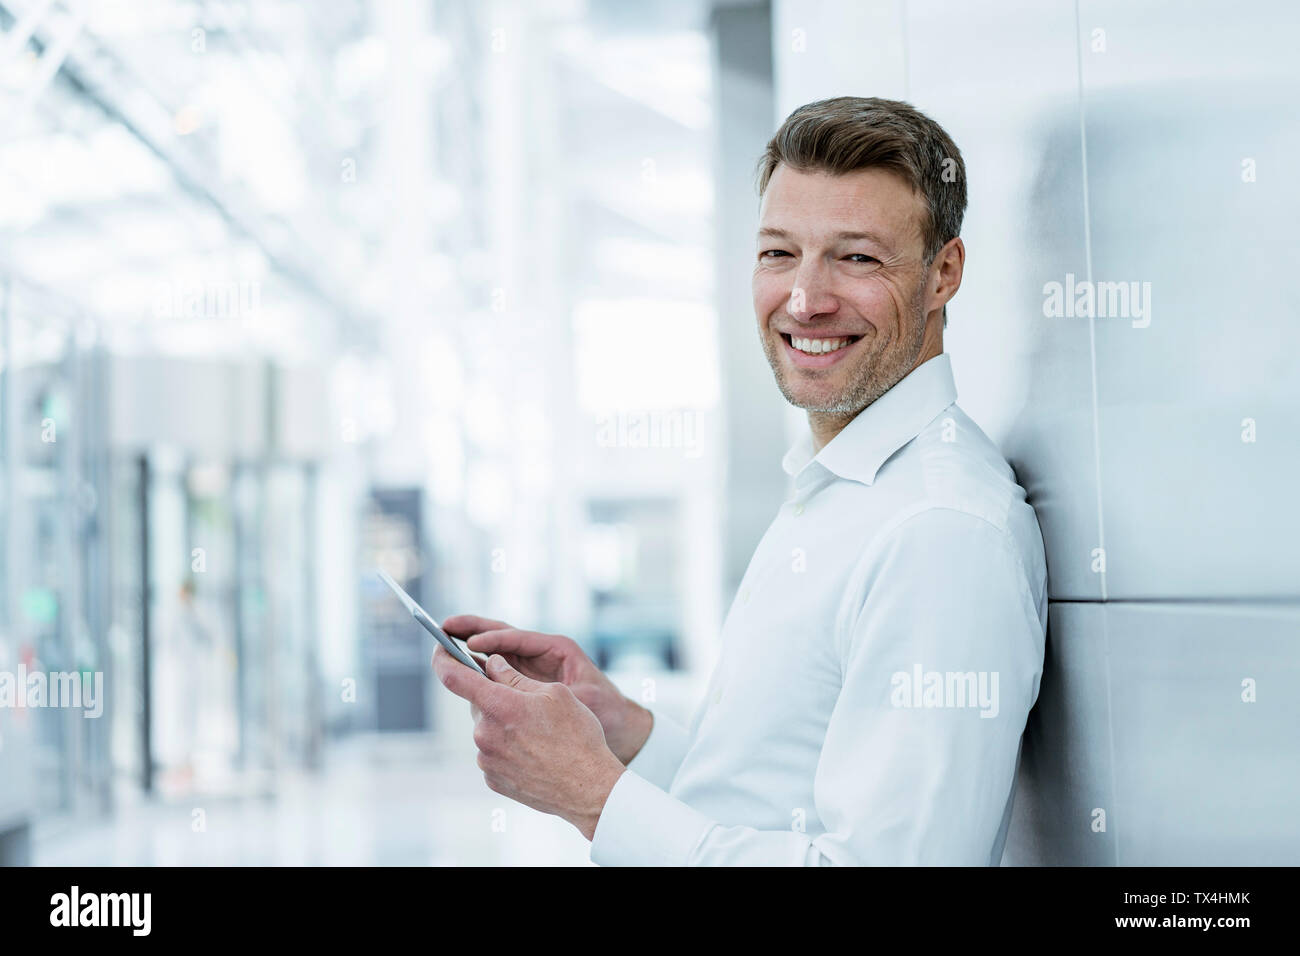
[(1154, 144)]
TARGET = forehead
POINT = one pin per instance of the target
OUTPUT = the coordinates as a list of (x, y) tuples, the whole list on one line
[(814, 204)]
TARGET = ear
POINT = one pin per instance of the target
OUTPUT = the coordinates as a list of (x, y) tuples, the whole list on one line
[(945, 274)]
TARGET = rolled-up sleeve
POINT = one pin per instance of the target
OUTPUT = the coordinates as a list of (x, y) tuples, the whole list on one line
[(941, 650)]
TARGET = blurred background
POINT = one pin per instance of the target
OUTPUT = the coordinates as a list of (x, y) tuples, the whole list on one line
[(460, 289)]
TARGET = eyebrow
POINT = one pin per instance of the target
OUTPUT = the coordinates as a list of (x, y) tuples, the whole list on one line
[(776, 233)]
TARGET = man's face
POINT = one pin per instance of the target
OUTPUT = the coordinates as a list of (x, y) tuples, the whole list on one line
[(839, 285)]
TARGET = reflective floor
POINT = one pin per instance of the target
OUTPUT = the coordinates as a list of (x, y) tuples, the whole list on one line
[(380, 802)]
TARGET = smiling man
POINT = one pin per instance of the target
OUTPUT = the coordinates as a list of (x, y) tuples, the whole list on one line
[(886, 644)]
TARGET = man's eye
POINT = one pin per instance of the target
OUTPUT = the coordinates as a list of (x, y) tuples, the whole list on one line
[(773, 253), (861, 257)]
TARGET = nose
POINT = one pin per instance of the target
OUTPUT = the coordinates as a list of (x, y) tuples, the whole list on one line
[(811, 295)]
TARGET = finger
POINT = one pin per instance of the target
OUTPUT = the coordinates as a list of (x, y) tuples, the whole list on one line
[(511, 640), (499, 669), (462, 681), (463, 625)]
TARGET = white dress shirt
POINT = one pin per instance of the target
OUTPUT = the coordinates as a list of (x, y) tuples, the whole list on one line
[(877, 665)]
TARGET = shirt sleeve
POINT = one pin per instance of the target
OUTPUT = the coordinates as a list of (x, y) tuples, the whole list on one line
[(941, 657), (661, 754)]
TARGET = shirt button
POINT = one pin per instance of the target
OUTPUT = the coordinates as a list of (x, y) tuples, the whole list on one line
[(744, 594), (717, 694), (798, 509)]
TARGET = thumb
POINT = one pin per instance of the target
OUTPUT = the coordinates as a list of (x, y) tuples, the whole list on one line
[(499, 669)]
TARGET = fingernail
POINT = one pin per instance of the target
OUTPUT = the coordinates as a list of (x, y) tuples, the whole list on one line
[(496, 662)]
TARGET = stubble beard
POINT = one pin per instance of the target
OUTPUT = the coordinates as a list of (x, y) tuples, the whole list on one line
[(874, 374)]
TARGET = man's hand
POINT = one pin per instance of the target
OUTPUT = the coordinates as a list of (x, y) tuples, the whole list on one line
[(555, 658), (538, 744)]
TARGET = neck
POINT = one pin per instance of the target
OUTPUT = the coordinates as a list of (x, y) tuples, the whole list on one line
[(825, 426)]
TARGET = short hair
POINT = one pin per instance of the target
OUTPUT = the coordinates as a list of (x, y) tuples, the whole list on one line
[(849, 133)]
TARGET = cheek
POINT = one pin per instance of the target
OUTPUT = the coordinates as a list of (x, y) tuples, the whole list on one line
[(771, 292), (879, 302)]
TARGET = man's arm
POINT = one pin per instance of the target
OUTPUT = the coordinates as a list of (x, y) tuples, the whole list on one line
[(897, 782)]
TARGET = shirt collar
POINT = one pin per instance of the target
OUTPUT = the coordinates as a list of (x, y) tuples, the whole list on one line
[(883, 427)]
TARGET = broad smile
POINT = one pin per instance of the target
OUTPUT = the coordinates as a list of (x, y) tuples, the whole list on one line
[(817, 351)]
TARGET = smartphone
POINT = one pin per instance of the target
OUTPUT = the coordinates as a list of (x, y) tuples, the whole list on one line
[(455, 648)]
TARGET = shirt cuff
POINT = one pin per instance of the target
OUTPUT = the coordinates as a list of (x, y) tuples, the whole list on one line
[(661, 754), (642, 825)]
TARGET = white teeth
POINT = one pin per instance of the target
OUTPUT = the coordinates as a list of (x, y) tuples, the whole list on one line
[(818, 346)]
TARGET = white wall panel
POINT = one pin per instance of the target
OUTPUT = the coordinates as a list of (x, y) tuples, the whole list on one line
[(1192, 194), (1148, 143)]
